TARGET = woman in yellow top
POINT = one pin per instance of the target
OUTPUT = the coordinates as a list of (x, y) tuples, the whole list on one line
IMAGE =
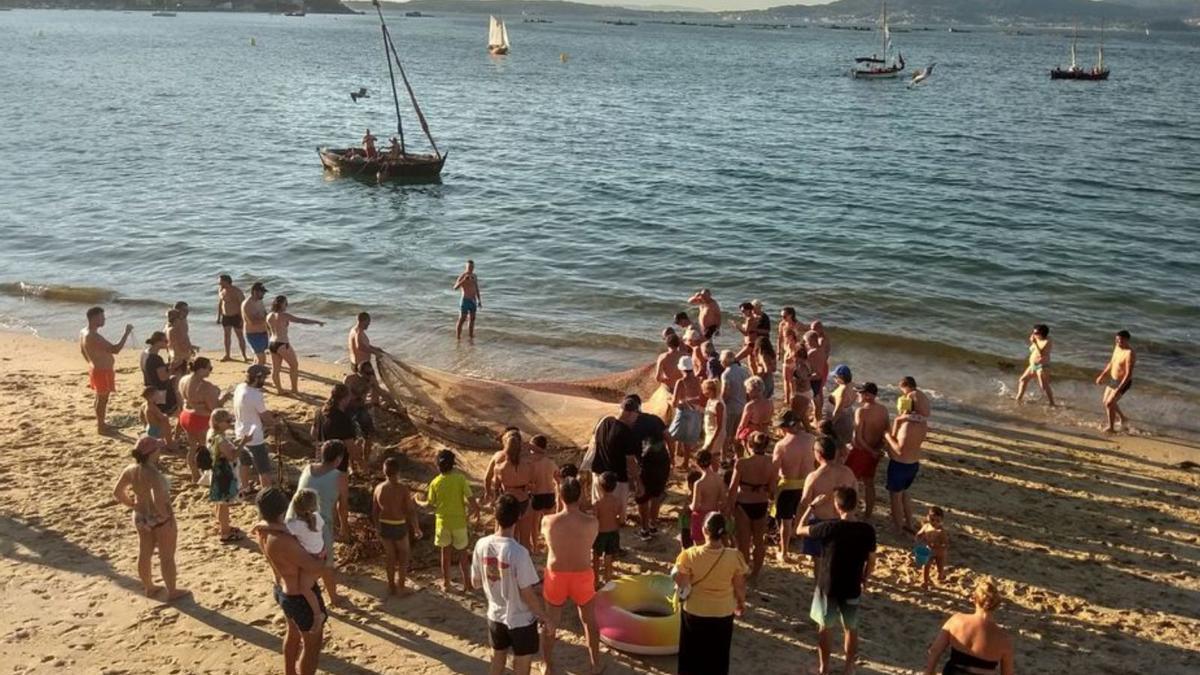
[(712, 583)]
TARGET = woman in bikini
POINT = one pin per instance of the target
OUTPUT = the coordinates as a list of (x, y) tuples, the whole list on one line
[(753, 487), (756, 416), (764, 365), (977, 644), (515, 476), (143, 489), (281, 350), (200, 398)]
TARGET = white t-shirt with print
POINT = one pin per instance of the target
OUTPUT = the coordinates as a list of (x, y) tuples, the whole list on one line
[(248, 407), (503, 567)]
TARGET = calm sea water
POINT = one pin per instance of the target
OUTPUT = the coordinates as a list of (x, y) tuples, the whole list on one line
[(931, 226)]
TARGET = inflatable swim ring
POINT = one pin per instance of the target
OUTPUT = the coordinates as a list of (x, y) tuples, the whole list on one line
[(635, 615)]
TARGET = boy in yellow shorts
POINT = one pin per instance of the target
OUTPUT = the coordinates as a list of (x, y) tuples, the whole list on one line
[(451, 499)]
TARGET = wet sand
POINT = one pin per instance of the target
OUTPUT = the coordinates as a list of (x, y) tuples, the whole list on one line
[(1094, 540)]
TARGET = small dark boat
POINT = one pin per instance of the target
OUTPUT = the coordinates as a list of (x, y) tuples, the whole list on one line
[(396, 163), (1074, 72), (296, 13), (353, 163)]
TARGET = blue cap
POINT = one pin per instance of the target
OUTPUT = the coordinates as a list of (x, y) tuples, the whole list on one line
[(842, 371)]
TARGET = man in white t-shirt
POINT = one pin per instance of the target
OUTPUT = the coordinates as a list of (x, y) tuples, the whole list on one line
[(252, 417), (503, 569)]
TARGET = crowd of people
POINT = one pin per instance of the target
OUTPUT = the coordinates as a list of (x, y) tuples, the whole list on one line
[(759, 470)]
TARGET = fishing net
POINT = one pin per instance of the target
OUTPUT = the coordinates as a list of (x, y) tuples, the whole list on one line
[(472, 413)]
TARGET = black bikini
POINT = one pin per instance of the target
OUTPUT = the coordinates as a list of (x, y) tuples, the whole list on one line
[(962, 663)]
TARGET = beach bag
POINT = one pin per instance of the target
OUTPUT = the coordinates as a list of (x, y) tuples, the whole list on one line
[(589, 456), (204, 458)]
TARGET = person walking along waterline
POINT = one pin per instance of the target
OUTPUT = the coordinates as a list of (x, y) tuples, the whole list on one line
[(569, 537), (847, 560), (100, 355), (471, 301), (229, 314), (1040, 345), (976, 642), (711, 581), (144, 490), (1119, 372)]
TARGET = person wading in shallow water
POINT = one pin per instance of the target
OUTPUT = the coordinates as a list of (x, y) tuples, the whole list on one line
[(471, 302), (229, 314), (1119, 372)]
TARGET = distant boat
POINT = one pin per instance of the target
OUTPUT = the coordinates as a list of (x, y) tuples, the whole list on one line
[(414, 15), (497, 37), (876, 67), (298, 12), (395, 162), (163, 14), (1074, 71)]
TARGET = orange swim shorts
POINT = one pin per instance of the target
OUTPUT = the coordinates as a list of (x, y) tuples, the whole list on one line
[(102, 380), (580, 587)]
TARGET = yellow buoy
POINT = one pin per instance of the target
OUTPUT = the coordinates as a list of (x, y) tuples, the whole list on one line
[(562, 57)]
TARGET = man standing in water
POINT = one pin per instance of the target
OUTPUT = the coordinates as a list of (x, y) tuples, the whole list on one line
[(472, 300), (569, 535), (229, 314), (254, 315), (99, 354), (710, 312), (1119, 372)]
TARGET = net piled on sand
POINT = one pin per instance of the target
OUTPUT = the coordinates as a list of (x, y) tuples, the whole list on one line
[(472, 412)]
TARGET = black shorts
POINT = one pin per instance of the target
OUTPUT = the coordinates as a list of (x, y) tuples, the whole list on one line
[(366, 369), (656, 471), (710, 332), (366, 424), (607, 543), (786, 503), (297, 609), (544, 502), (231, 321), (523, 641)]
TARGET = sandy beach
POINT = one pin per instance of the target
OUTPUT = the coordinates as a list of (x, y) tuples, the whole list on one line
[(1095, 542)]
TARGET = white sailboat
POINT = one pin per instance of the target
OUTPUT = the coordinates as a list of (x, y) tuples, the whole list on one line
[(876, 66), (497, 37)]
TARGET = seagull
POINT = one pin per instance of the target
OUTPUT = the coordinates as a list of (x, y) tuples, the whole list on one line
[(361, 93), (921, 75)]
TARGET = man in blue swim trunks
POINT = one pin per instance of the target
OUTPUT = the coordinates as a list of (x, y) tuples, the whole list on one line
[(472, 300)]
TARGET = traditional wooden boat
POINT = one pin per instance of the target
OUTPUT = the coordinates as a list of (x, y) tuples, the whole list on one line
[(876, 67), (1074, 72), (497, 37), (396, 163)]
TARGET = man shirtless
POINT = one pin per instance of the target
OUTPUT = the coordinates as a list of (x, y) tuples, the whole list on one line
[(793, 460), (666, 368), (818, 361), (867, 447), (229, 314), (569, 535), (903, 445), (472, 300), (828, 476), (294, 569), (99, 354), (179, 339), (1119, 372), (254, 316), (709, 494), (710, 312), (359, 345)]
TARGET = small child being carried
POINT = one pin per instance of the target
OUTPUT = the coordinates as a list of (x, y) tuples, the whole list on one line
[(307, 525)]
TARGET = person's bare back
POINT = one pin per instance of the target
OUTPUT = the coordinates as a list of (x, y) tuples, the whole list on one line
[(793, 456), (709, 493), (871, 423), (393, 501), (608, 513), (824, 481), (569, 535)]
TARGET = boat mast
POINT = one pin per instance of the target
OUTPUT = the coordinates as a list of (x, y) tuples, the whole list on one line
[(1074, 39), (886, 36), (1100, 55), (387, 49)]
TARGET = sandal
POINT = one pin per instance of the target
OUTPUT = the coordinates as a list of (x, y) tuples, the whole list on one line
[(235, 535)]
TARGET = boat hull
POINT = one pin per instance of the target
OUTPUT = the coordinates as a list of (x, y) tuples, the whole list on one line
[(881, 74), (351, 162), (1086, 75), (498, 51)]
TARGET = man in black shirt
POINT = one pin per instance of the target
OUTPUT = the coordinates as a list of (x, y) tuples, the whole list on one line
[(847, 559), (617, 450), (651, 434)]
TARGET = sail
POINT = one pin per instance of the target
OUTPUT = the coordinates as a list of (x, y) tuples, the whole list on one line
[(496, 33), (1073, 66), (503, 34)]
